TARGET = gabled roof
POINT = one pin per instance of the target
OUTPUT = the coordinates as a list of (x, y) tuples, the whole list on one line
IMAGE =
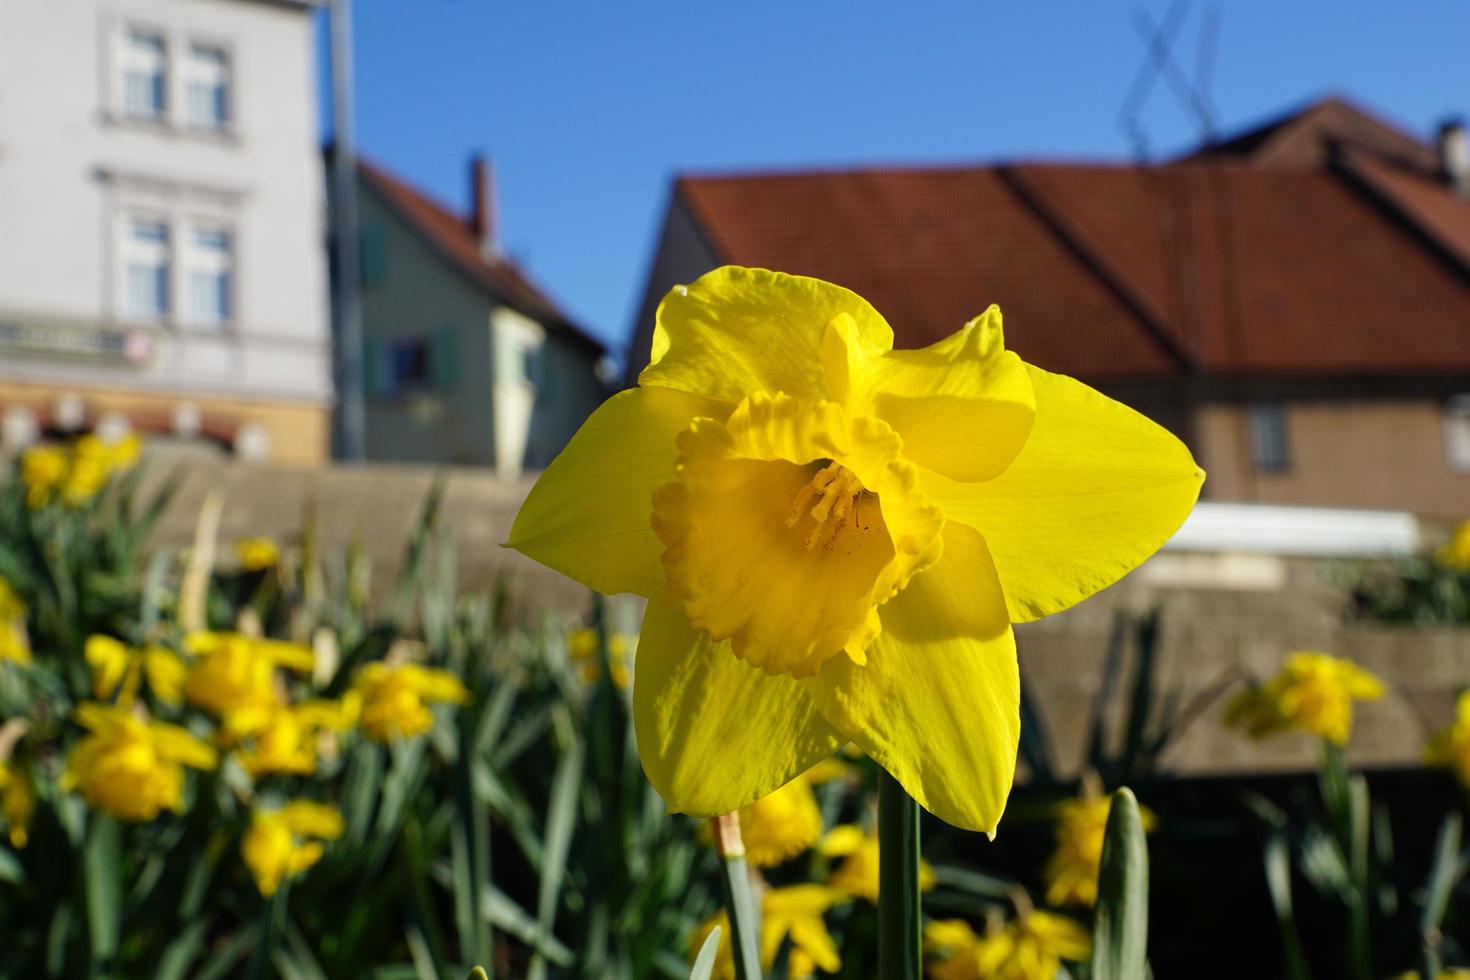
[(450, 236), (1223, 266)]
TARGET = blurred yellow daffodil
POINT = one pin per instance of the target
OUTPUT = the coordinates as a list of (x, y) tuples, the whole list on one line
[(795, 911), (233, 673), (17, 802), (858, 872), (285, 738), (1071, 872), (779, 826), (1314, 693), (393, 698), (1454, 554), (119, 669), (257, 554), (284, 842), (1031, 946), (15, 644), (76, 472), (129, 767), (621, 648), (835, 536), (1450, 746)]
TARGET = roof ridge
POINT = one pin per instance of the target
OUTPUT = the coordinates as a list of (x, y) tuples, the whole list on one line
[(1075, 236)]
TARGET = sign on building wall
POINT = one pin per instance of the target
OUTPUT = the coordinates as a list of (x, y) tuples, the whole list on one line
[(45, 337)]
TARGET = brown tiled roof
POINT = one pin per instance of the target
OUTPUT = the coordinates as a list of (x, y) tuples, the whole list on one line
[(450, 235), (1115, 273)]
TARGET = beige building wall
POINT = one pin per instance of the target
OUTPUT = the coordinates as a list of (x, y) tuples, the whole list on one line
[(296, 433), (1344, 453)]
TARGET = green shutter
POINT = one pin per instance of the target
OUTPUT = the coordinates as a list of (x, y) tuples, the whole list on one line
[(372, 367)]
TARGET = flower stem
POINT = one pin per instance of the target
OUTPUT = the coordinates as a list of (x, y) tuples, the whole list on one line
[(740, 907), (899, 956)]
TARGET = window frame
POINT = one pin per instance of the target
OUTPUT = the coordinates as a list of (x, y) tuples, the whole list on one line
[(1269, 432), (127, 59), (194, 258), (129, 251), (192, 72), (1456, 414)]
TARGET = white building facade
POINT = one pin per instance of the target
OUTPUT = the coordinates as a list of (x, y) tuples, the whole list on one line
[(162, 223)]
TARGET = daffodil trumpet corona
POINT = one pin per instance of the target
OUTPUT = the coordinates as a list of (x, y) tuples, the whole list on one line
[(835, 537)]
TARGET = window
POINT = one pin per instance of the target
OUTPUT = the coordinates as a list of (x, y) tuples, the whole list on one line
[(1270, 450), (145, 259), (144, 60), (400, 367), (209, 269), (1457, 433), (207, 88)]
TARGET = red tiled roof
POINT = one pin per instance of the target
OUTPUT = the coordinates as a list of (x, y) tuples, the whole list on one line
[(1115, 273), (452, 237)]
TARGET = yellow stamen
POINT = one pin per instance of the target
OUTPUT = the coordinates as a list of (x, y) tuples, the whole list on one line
[(835, 490)]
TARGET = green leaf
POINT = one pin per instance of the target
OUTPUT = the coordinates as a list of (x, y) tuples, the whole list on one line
[(504, 914), (1120, 930), (1277, 857), (102, 862), (704, 963), (561, 819), (1444, 875)]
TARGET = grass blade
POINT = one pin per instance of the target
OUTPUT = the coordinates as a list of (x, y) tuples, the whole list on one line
[(1120, 931)]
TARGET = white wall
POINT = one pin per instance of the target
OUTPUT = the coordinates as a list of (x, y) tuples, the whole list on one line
[(68, 162)]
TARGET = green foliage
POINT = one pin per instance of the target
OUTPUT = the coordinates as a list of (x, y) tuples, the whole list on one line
[(1414, 591), (1120, 925)]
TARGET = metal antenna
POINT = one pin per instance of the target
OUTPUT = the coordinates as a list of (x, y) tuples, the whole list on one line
[(1204, 58), (1148, 74), (1160, 44)]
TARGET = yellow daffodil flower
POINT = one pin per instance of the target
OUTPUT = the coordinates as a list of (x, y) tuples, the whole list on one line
[(1029, 947), (834, 537), (132, 768), (286, 739), (235, 674), (1450, 746), (1071, 872), (282, 843), (15, 644), (1454, 554), (1314, 693), (393, 698), (858, 872), (621, 648), (1451, 974), (257, 554), (796, 912), (17, 802), (119, 669), (42, 468), (781, 825)]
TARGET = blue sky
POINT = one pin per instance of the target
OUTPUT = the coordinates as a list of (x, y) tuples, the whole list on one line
[(589, 109)]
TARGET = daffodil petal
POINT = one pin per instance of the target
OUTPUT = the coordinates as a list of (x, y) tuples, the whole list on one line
[(963, 406), (1096, 490), (715, 733), (735, 331), (589, 515), (938, 703)]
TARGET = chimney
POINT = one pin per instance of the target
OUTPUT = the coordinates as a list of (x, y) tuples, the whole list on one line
[(483, 206), (1454, 155)]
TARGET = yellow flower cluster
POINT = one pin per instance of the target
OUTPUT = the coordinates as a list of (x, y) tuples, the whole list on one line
[(621, 649), (17, 802), (795, 911), (284, 842), (15, 645), (74, 473), (118, 670), (858, 872), (1454, 554), (393, 698), (1030, 946), (1071, 872), (1314, 693), (130, 767), (1450, 746), (257, 554)]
